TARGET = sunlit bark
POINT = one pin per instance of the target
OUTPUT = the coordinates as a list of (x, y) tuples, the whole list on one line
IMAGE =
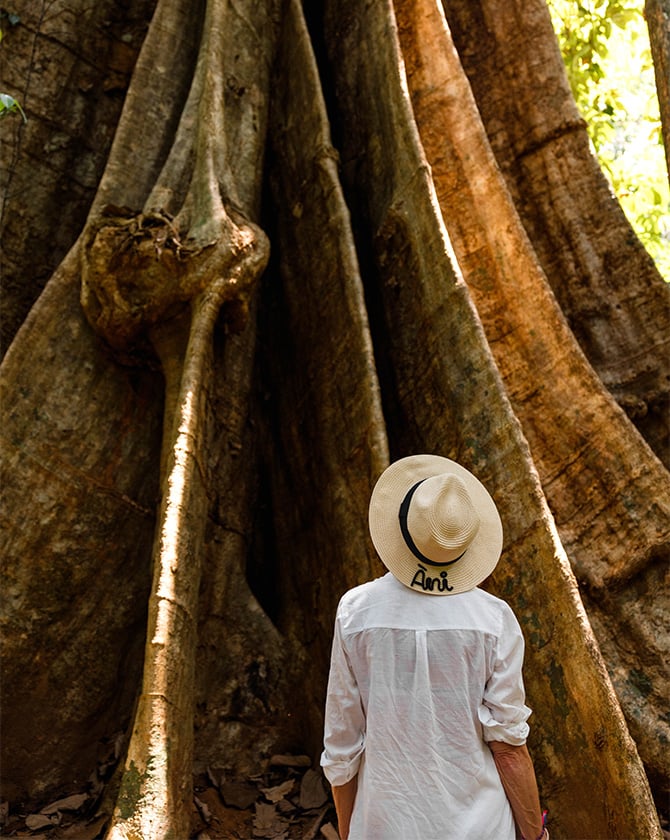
[(609, 290), (562, 406), (186, 247), (443, 394), (657, 13)]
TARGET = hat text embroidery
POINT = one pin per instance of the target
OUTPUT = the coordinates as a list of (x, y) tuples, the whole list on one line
[(430, 584)]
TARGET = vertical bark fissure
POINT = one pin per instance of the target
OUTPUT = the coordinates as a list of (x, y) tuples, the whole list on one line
[(320, 377)]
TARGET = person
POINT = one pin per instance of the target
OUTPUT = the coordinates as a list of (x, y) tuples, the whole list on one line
[(425, 720)]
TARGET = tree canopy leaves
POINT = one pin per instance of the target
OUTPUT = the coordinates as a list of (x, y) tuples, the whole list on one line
[(605, 47)]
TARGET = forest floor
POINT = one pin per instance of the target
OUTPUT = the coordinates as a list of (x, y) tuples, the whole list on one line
[(288, 802)]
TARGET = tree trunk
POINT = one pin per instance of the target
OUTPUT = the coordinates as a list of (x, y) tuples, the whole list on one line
[(80, 452), (657, 13), (607, 286), (562, 406), (69, 65), (367, 334), (446, 397)]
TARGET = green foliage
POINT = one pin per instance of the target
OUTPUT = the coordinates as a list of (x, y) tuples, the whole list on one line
[(9, 105), (605, 46)]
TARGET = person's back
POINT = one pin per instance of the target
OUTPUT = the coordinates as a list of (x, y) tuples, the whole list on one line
[(418, 688)]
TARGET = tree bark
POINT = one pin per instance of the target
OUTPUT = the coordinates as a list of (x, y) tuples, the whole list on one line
[(657, 13), (547, 377), (362, 340), (446, 397), (134, 275), (80, 456), (69, 65), (314, 319), (607, 286)]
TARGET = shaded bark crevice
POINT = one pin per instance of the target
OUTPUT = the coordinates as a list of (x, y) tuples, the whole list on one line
[(566, 128)]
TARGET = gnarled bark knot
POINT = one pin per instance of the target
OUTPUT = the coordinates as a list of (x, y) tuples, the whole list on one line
[(139, 270)]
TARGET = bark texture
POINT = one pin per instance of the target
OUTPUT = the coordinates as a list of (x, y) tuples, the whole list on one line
[(69, 65), (79, 496), (562, 406), (607, 286), (200, 441), (657, 13), (447, 395)]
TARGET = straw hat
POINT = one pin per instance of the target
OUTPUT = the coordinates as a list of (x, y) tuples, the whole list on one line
[(434, 525)]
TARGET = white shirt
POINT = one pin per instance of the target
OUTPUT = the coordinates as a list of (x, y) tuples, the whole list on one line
[(418, 683)]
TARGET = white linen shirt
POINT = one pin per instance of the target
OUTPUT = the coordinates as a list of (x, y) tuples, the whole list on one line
[(418, 683)]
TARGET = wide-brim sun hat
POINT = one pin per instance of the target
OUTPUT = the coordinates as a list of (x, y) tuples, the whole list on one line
[(434, 525)]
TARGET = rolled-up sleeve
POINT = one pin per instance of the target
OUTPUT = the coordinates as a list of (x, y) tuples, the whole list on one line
[(344, 729), (503, 713)]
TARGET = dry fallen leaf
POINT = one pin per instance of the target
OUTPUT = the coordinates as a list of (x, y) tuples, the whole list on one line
[(88, 830), (311, 832), (274, 794), (268, 824), (265, 815), (70, 803), (35, 821), (240, 795), (312, 791), (205, 813)]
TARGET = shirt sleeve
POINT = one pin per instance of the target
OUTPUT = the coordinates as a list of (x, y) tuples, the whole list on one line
[(344, 730), (503, 713)]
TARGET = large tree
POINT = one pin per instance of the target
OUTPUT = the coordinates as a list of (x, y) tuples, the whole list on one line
[(249, 258)]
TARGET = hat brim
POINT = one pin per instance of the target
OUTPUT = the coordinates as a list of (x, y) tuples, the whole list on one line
[(482, 555)]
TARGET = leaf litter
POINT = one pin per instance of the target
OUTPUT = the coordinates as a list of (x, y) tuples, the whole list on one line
[(289, 801)]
